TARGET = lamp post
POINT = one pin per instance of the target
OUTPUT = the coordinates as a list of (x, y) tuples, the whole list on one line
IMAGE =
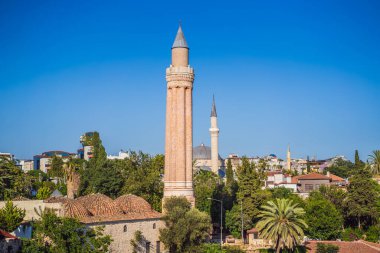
[(221, 220)]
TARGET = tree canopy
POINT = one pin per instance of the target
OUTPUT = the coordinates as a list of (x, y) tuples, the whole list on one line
[(324, 220), (11, 217), (186, 228), (53, 234), (281, 222)]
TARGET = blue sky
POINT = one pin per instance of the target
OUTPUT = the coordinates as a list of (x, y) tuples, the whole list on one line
[(304, 73)]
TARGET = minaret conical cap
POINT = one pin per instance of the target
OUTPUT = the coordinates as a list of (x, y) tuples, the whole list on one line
[(180, 41), (213, 109)]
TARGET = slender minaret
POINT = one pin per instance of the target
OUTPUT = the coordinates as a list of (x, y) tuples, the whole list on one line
[(178, 179), (288, 160), (214, 132)]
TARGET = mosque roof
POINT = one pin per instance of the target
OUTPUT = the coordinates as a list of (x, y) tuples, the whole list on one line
[(99, 204), (132, 204), (96, 208), (180, 41), (74, 209), (202, 152)]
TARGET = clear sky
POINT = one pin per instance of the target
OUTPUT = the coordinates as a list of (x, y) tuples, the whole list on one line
[(304, 73)]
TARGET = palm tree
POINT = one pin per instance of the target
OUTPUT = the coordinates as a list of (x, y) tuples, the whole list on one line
[(281, 222), (374, 159), (70, 173)]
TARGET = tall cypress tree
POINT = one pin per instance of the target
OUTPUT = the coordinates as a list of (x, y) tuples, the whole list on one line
[(99, 152), (229, 175), (358, 163)]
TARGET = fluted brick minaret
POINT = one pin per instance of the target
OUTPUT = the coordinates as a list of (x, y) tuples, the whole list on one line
[(178, 179), (214, 132)]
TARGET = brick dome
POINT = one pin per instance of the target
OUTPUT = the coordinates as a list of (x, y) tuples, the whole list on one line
[(74, 209), (99, 204), (130, 203)]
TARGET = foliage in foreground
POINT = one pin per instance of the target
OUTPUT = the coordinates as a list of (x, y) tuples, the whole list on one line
[(215, 248), (53, 234), (186, 228), (11, 217), (281, 222), (325, 222)]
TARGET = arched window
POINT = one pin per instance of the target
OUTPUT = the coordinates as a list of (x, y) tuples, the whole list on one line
[(154, 225), (125, 228)]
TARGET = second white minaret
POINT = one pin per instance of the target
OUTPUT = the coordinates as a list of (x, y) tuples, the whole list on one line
[(288, 160), (214, 132)]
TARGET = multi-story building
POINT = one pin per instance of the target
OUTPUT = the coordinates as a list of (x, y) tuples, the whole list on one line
[(122, 155), (25, 165), (86, 152), (279, 179), (43, 162), (7, 156)]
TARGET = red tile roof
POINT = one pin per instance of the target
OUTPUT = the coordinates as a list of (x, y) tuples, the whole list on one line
[(252, 230), (295, 179), (336, 178), (272, 173), (313, 176), (5, 234), (346, 247)]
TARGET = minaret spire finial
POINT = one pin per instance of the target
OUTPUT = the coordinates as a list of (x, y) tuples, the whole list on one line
[(213, 109), (180, 41)]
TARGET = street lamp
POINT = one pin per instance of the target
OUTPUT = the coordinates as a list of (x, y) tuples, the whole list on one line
[(221, 220)]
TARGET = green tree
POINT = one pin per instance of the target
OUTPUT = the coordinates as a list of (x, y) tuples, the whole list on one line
[(99, 153), (362, 198), (358, 163), (230, 180), (143, 166), (56, 167), (13, 182), (335, 195), (98, 175), (11, 217), (205, 186), (43, 193), (54, 234), (308, 169), (324, 220), (374, 159), (281, 221), (342, 168), (186, 228), (249, 193), (285, 193)]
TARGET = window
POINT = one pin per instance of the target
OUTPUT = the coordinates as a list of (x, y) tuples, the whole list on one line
[(125, 228), (154, 225), (309, 187)]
